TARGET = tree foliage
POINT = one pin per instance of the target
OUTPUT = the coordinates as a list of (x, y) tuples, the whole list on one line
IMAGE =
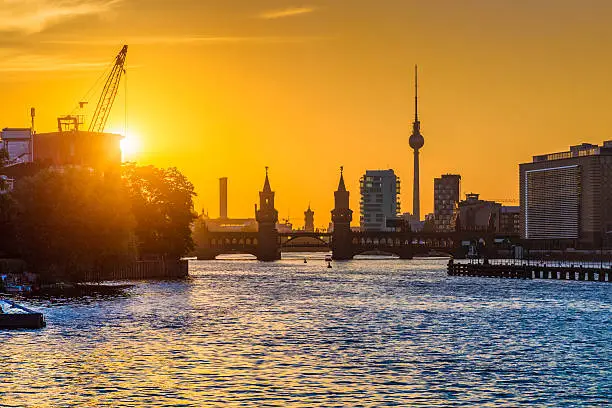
[(71, 221), (3, 160), (162, 204), (7, 233)]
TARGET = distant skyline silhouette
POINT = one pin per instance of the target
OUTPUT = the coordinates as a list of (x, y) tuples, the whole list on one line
[(221, 89)]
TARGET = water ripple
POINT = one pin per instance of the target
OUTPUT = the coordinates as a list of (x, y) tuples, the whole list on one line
[(365, 333)]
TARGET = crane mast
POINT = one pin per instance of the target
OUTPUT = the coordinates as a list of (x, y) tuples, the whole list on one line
[(105, 103)]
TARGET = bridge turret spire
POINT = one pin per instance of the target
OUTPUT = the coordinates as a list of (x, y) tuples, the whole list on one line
[(342, 216), (341, 186), (266, 187), (267, 217)]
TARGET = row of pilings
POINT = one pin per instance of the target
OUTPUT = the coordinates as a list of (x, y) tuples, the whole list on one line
[(524, 270)]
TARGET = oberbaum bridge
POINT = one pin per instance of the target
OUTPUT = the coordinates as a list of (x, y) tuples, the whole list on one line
[(267, 243)]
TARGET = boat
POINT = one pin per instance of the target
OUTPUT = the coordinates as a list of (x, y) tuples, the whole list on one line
[(328, 258), (15, 288), (24, 319)]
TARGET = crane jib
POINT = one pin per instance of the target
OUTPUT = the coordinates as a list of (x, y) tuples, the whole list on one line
[(107, 98)]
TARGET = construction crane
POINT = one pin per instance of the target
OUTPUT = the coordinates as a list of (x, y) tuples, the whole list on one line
[(100, 116), (105, 103), (506, 200)]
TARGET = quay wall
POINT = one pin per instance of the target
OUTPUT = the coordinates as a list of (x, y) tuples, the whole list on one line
[(155, 269)]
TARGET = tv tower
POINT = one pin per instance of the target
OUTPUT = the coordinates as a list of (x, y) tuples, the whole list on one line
[(416, 142)]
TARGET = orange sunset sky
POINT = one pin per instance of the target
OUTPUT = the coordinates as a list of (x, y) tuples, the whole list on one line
[(226, 87)]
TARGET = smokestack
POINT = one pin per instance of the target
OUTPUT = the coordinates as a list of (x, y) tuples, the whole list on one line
[(223, 197)]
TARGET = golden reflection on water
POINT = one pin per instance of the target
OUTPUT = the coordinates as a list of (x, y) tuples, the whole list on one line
[(291, 334)]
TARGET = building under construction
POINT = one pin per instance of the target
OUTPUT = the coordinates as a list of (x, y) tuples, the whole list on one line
[(71, 144)]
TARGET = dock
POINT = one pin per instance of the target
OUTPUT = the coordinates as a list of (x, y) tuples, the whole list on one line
[(521, 269), (29, 319)]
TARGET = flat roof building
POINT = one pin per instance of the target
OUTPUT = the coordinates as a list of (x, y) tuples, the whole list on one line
[(18, 144), (567, 196), (100, 151)]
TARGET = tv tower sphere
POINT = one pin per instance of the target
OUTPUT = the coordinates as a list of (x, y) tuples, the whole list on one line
[(416, 141)]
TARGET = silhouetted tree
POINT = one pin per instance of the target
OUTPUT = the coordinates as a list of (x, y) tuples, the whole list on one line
[(7, 234), (162, 204), (72, 221), (3, 160)]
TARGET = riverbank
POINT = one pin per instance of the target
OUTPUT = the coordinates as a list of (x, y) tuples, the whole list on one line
[(15, 278)]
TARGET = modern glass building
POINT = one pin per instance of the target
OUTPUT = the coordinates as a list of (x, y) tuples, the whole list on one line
[(567, 196), (379, 199)]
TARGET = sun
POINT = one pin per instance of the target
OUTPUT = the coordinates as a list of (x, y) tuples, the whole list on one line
[(130, 146)]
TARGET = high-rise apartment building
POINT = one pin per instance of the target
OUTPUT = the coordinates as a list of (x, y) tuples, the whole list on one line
[(447, 190), (567, 196), (379, 199)]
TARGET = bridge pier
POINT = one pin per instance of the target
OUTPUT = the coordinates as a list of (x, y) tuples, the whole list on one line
[(269, 247), (406, 253)]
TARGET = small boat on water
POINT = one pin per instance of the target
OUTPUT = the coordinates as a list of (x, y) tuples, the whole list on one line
[(15, 288), (328, 258), (14, 316)]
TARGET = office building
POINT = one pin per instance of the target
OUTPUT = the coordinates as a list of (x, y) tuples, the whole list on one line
[(447, 190), (379, 199), (567, 196)]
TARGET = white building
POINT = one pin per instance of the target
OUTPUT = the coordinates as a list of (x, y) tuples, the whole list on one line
[(18, 144), (379, 199)]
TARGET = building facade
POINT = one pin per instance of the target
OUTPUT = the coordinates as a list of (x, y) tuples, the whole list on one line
[(100, 151), (18, 144), (379, 199), (447, 190), (510, 220), (475, 214), (567, 196)]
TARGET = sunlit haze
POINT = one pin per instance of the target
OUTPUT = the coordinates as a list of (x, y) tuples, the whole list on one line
[(224, 88)]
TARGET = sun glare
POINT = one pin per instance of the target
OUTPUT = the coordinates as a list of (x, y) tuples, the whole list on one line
[(130, 146)]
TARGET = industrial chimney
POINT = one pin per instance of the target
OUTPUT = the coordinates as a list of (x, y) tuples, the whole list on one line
[(223, 197)]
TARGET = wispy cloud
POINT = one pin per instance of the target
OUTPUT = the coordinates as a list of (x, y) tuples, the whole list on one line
[(43, 63), (31, 16), (187, 40), (286, 12)]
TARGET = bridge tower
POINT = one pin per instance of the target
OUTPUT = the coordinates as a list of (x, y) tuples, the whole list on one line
[(267, 217), (342, 216)]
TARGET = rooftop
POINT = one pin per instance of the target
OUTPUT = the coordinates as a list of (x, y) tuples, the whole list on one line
[(581, 150)]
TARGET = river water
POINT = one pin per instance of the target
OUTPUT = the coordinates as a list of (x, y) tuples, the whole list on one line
[(366, 332)]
